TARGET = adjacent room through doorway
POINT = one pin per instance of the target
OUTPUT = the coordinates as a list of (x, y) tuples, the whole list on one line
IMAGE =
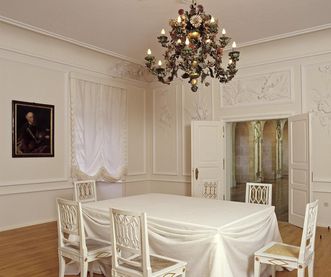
[(258, 152)]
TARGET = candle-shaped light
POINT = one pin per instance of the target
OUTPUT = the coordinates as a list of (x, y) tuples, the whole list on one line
[(230, 62), (234, 45), (212, 20), (179, 19), (223, 32), (187, 42), (179, 41), (149, 52), (160, 63), (162, 32)]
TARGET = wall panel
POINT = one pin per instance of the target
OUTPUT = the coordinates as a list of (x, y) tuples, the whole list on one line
[(165, 130)]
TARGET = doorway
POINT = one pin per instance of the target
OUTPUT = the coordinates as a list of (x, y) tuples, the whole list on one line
[(257, 151)]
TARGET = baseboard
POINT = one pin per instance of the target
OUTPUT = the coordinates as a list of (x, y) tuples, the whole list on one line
[(12, 227)]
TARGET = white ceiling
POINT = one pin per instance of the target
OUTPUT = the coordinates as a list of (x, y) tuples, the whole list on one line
[(129, 27)]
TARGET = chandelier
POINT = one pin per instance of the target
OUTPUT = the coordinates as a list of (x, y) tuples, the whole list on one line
[(194, 50)]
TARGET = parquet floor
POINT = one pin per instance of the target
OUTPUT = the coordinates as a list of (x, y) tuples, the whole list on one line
[(32, 251)]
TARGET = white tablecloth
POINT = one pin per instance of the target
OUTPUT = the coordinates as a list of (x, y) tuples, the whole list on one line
[(216, 238)]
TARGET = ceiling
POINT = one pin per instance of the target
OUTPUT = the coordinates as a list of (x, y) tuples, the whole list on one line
[(129, 27)]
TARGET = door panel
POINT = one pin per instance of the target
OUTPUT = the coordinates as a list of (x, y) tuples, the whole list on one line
[(206, 143), (299, 167)]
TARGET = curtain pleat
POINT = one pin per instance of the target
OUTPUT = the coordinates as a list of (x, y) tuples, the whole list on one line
[(99, 131)]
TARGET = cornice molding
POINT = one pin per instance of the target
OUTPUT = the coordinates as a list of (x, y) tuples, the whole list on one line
[(67, 39), (286, 35), (137, 62)]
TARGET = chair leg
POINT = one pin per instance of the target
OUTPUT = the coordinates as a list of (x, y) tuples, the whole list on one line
[(91, 265), (273, 271), (257, 267), (301, 271), (311, 267), (62, 265), (83, 268)]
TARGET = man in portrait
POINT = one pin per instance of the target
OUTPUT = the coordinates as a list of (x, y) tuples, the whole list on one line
[(32, 138)]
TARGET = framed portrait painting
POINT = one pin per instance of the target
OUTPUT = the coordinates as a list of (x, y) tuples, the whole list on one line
[(32, 130)]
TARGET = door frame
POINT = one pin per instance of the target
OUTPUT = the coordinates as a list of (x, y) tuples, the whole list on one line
[(234, 119)]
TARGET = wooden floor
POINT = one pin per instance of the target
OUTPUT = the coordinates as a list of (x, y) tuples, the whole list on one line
[(32, 251)]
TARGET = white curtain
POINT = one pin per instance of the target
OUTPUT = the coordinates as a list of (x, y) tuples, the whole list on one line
[(99, 131)]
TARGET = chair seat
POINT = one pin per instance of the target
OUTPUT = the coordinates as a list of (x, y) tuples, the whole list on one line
[(95, 248), (159, 264), (280, 250)]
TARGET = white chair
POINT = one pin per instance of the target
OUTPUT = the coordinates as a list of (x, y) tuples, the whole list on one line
[(258, 193), (85, 191), (288, 256), (210, 190), (72, 243), (129, 237)]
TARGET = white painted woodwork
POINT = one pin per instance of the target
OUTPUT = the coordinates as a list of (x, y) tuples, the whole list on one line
[(207, 159), (131, 255), (299, 167), (72, 241), (37, 68), (91, 24), (258, 193), (85, 191), (306, 57), (289, 256)]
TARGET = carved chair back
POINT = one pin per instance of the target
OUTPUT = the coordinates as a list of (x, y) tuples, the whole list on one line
[(211, 190), (70, 224), (129, 237), (85, 191), (309, 231), (258, 193)]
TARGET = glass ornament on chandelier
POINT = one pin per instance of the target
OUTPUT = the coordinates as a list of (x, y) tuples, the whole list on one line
[(194, 50)]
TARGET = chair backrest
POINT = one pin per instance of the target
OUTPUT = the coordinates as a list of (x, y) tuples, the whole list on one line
[(211, 190), (309, 231), (129, 236), (258, 193), (70, 224), (85, 191)]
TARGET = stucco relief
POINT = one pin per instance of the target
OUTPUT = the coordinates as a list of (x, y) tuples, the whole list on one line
[(165, 117), (318, 89), (197, 106), (128, 70), (258, 89)]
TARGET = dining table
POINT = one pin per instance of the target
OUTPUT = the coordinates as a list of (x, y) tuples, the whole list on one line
[(215, 237)]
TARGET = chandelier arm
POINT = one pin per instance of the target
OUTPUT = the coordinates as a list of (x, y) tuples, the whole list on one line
[(194, 49)]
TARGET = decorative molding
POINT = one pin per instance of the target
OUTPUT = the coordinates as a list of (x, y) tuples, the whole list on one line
[(125, 58), (66, 39), (253, 116), (11, 227), (170, 180), (285, 35), (128, 70), (199, 110), (144, 171), (256, 90), (34, 187), (317, 88), (165, 120)]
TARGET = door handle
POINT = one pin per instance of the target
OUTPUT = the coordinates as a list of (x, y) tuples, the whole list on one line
[(196, 174)]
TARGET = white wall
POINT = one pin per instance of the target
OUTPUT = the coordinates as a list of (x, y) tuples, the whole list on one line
[(37, 68), (276, 79)]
